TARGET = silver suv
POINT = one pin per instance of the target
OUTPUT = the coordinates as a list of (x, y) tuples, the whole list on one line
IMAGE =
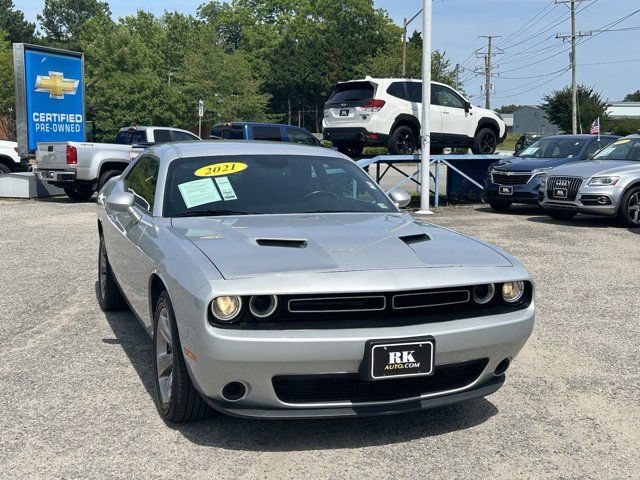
[(387, 112)]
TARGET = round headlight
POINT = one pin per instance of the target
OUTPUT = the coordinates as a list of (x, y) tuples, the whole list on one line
[(226, 309), (483, 294), (512, 292), (262, 306)]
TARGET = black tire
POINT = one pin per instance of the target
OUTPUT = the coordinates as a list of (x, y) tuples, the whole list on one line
[(4, 169), (499, 206), (79, 193), (109, 296), (106, 176), (184, 403), (485, 142), (562, 215), (350, 149), (629, 209), (403, 141)]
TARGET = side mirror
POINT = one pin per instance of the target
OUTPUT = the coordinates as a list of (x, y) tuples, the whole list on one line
[(399, 197), (467, 106), (123, 202)]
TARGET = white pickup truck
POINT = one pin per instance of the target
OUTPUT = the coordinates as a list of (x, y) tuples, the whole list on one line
[(82, 168)]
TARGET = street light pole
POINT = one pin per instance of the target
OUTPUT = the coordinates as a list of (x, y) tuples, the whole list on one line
[(425, 138), (405, 24)]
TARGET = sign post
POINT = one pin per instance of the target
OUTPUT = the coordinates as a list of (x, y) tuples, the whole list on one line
[(49, 96), (200, 115)]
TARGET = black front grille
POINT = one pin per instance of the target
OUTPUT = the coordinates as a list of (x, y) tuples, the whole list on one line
[(570, 184), (510, 178), (351, 387)]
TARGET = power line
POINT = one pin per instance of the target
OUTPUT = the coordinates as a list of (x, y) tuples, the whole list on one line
[(534, 76), (609, 63), (535, 87), (528, 24)]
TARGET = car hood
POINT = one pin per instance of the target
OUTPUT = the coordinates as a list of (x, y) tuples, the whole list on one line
[(590, 168), (248, 246), (518, 164)]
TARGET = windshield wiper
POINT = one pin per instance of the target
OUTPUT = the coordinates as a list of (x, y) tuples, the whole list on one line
[(211, 213)]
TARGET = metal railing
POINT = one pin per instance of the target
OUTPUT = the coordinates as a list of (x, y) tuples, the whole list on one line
[(388, 163)]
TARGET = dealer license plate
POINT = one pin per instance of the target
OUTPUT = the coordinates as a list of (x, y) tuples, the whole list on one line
[(399, 358), (506, 190), (560, 193)]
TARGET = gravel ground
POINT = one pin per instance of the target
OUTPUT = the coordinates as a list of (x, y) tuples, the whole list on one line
[(76, 396)]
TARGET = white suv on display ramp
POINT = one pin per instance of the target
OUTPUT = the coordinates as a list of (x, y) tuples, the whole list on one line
[(387, 112)]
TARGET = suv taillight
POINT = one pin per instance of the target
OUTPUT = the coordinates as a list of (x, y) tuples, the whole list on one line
[(373, 105), (72, 155)]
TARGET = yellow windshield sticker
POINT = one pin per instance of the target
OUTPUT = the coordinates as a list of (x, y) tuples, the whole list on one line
[(216, 169), (623, 141)]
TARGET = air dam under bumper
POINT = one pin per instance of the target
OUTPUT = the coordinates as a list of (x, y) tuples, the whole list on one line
[(355, 135), (256, 357)]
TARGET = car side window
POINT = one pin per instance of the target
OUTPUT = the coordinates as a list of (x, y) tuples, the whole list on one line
[(142, 181), (396, 89), (414, 92), (271, 133), (162, 136), (298, 136), (445, 97), (183, 136)]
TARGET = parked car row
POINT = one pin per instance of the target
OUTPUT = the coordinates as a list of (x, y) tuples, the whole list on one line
[(571, 174)]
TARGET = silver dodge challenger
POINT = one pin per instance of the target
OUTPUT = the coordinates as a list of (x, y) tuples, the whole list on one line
[(609, 185), (278, 281)]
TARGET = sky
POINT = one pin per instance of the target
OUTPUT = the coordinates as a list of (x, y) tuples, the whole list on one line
[(531, 60)]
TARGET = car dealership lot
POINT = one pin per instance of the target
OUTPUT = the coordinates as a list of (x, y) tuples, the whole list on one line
[(76, 384)]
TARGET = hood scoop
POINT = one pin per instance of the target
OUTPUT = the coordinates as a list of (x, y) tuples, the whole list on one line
[(281, 242), (413, 239)]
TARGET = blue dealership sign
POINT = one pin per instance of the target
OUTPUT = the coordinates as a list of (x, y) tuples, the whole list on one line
[(49, 96)]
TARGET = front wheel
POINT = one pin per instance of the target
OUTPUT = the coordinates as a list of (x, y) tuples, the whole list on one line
[(403, 141), (562, 215), (109, 295), (79, 192), (485, 142), (178, 400), (629, 211)]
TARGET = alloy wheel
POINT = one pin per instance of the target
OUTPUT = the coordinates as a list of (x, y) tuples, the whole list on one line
[(488, 143), (633, 208), (164, 356), (404, 143)]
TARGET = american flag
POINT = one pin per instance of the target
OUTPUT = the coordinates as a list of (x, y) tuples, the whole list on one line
[(595, 127)]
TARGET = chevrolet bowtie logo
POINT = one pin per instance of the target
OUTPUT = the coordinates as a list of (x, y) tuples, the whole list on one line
[(56, 85)]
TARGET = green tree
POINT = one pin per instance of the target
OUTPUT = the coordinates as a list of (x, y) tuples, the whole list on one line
[(508, 108), (557, 106), (12, 22), (633, 97), (7, 92), (62, 20)]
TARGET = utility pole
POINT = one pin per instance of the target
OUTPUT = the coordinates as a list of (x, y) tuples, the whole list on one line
[(488, 56), (457, 76), (405, 24), (572, 58)]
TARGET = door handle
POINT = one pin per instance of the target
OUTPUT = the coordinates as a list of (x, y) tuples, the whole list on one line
[(446, 112)]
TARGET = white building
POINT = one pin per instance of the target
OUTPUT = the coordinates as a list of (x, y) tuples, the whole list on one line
[(624, 110)]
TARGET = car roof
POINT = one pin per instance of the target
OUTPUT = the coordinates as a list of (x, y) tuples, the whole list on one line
[(261, 124), (579, 136), (391, 80), (170, 151)]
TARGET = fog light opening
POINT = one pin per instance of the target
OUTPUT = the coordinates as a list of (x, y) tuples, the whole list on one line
[(502, 367), (234, 391), (603, 200)]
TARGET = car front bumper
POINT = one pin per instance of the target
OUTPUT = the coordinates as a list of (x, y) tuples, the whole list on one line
[(527, 193), (254, 357), (598, 200)]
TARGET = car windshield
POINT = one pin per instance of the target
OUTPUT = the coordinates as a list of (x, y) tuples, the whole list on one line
[(623, 149), (553, 147), (269, 184)]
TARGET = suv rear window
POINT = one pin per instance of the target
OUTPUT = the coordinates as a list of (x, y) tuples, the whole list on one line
[(351, 92), (129, 137)]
